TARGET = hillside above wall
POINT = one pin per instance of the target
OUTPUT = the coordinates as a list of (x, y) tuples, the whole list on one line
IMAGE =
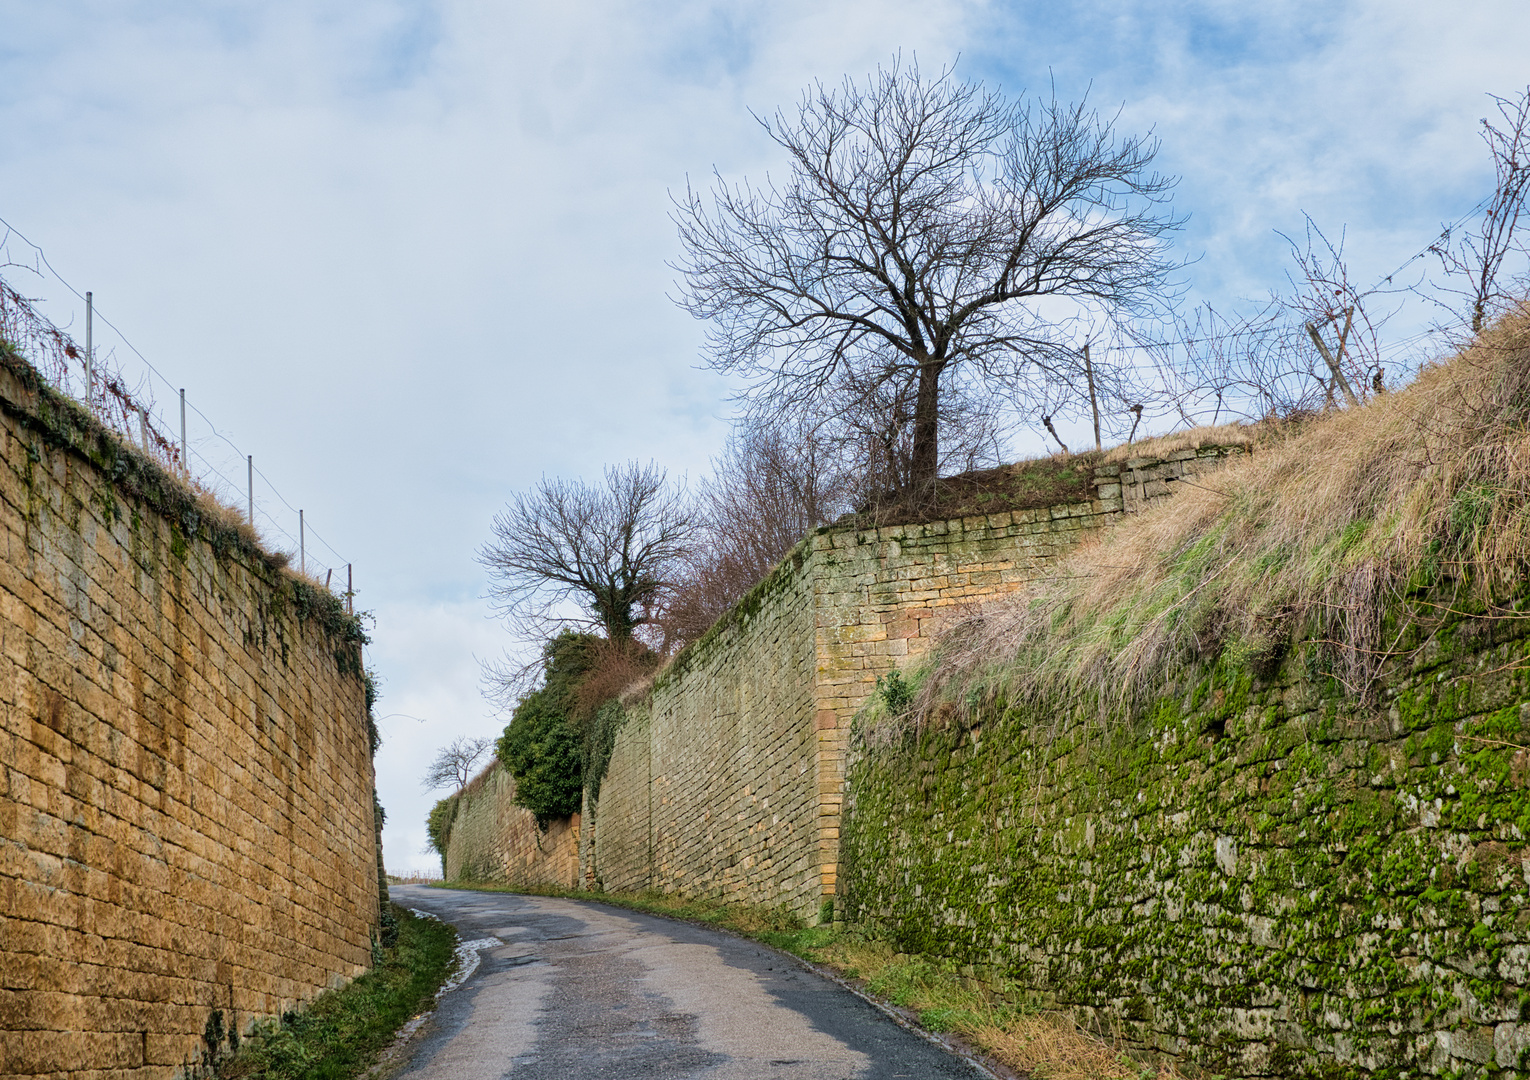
[(1246, 783)]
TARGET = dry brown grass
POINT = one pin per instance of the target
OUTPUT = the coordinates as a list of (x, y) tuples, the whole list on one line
[(1045, 1045), (1423, 491), (1049, 1046), (1211, 435)]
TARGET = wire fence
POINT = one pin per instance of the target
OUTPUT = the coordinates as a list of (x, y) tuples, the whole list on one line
[(180, 436)]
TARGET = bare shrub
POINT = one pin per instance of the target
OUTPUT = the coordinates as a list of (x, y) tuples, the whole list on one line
[(1309, 347), (1474, 261), (614, 668), (777, 479)]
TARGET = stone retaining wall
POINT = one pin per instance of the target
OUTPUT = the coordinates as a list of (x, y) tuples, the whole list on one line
[(493, 839), (186, 790), (1251, 878)]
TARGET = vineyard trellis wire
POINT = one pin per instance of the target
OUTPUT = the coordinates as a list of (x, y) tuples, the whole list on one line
[(95, 378)]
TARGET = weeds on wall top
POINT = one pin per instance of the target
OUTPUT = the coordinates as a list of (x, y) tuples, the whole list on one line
[(1351, 530), (61, 423)]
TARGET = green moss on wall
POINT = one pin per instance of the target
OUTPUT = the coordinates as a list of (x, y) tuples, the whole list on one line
[(1253, 877)]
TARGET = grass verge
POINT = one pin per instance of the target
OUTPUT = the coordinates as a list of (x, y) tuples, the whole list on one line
[(342, 1031), (929, 992)]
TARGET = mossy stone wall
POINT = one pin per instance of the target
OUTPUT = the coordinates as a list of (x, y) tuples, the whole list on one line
[(1253, 878)]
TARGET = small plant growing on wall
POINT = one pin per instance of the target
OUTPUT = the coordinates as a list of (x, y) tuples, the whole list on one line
[(895, 692)]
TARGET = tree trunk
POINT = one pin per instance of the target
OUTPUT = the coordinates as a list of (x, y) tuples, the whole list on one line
[(926, 456)]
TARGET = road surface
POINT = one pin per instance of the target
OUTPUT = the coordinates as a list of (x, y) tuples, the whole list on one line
[(573, 990)]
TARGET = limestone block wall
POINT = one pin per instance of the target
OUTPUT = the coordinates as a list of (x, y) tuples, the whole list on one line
[(617, 850), (186, 807), (729, 780), (713, 793), (493, 839)]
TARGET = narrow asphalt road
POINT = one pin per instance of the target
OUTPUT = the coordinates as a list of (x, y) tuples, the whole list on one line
[(574, 990)]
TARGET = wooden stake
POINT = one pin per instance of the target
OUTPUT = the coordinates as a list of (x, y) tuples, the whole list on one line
[(1328, 357)]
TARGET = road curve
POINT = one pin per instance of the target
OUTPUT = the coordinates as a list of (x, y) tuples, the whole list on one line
[(583, 991)]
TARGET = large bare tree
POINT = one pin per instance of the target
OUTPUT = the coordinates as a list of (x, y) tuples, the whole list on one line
[(610, 551), (923, 223)]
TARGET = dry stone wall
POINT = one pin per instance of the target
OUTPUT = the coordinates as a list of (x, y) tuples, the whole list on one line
[(728, 781), (493, 839), (186, 789), (1250, 876)]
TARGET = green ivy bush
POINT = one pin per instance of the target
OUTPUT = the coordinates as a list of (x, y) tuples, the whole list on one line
[(438, 827), (540, 746)]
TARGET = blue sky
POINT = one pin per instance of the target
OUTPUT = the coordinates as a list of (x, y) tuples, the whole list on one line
[(412, 256)]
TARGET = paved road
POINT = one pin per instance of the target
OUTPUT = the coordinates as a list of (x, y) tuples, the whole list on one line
[(580, 991)]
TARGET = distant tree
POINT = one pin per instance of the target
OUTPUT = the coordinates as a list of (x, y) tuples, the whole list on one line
[(453, 764), (922, 222), (611, 550)]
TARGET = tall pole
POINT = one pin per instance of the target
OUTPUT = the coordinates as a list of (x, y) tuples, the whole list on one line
[(185, 461), (250, 462), (90, 368), (1094, 403), (350, 591), (302, 545)]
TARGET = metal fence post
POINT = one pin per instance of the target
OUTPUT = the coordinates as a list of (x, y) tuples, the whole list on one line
[(90, 368), (185, 461), (250, 461), (302, 545)]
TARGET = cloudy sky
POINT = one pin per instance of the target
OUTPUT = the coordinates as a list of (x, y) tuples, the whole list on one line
[(411, 255)]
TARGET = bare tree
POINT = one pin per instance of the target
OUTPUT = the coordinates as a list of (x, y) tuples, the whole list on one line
[(453, 764), (870, 422), (1478, 257), (922, 221), (610, 551), (777, 479)]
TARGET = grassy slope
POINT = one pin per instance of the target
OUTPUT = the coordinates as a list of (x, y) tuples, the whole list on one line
[(1317, 533)]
